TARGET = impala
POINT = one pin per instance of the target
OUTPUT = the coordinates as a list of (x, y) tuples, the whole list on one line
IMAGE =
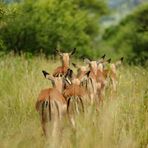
[(74, 93), (51, 104), (96, 81), (111, 72), (65, 60)]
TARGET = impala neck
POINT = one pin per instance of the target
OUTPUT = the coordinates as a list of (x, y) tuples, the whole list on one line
[(94, 71), (65, 64), (93, 67), (65, 60), (58, 84)]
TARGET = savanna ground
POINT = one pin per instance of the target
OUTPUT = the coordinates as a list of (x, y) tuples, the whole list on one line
[(122, 121)]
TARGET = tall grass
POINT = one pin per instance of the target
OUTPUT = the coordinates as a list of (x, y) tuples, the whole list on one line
[(121, 122)]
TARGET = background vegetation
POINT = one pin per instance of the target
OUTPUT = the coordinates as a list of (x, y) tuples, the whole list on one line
[(41, 26), (130, 36), (35, 26)]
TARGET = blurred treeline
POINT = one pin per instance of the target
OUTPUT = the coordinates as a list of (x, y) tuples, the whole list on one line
[(129, 37), (35, 26), (43, 25)]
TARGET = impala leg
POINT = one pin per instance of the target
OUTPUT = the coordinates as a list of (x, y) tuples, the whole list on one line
[(113, 88), (68, 103), (69, 116), (91, 98), (44, 128), (100, 97), (82, 104), (114, 84), (43, 119), (76, 104)]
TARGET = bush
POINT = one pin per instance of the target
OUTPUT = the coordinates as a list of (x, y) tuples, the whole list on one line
[(46, 25), (130, 37)]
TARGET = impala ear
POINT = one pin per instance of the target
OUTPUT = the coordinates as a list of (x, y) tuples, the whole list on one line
[(121, 59), (103, 56), (58, 52), (45, 73), (48, 76), (73, 51), (82, 57), (75, 65), (87, 61), (109, 60), (101, 59)]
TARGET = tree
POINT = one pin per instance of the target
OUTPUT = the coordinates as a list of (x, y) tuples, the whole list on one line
[(130, 37), (49, 24)]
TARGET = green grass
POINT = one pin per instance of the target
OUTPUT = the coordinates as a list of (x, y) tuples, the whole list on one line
[(122, 122)]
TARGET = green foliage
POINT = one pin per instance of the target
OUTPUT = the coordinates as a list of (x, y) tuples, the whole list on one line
[(2, 10), (6, 13), (45, 25), (130, 37)]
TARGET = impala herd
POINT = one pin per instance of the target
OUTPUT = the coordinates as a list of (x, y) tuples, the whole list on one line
[(70, 92)]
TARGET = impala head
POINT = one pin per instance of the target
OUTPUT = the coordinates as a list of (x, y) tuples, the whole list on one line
[(93, 65), (101, 63), (81, 70), (113, 66), (102, 59), (119, 62), (104, 64), (57, 82), (65, 57), (72, 79)]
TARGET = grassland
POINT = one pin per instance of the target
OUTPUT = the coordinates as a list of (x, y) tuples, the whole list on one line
[(122, 122)]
